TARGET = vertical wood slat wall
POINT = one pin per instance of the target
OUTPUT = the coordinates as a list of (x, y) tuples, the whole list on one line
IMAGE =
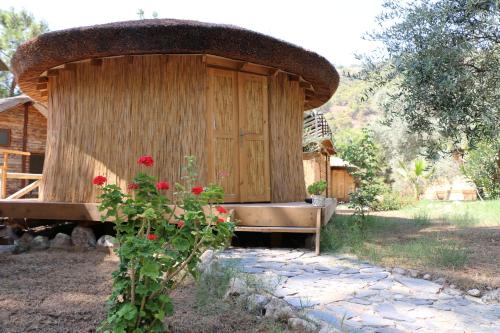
[(103, 117)]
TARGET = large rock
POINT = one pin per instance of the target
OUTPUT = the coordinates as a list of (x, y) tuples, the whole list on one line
[(278, 309), (61, 241), (106, 241), (492, 296), (83, 237), (255, 303), (40, 243), (206, 262), (23, 244), (237, 287), (301, 325)]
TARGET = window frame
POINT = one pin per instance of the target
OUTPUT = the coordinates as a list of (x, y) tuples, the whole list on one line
[(9, 137)]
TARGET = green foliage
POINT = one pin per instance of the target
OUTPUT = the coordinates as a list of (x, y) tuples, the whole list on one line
[(482, 166), (362, 152), (159, 245), (417, 174), (15, 29), (317, 188), (440, 60), (389, 200)]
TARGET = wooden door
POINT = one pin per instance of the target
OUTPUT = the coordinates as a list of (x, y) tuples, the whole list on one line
[(254, 138), (223, 140)]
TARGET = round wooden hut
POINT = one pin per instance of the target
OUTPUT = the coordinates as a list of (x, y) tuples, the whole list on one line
[(231, 97)]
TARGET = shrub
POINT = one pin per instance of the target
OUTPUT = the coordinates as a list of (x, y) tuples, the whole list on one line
[(158, 244), (390, 201), (482, 166), (317, 188)]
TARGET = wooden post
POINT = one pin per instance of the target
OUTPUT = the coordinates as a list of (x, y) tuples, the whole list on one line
[(4, 174), (25, 141), (318, 231)]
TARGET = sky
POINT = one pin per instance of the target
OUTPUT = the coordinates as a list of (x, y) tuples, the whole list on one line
[(332, 28)]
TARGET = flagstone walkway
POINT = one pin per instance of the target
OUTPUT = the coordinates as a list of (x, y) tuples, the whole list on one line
[(354, 296)]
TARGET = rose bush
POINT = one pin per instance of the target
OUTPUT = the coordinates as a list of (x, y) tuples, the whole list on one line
[(160, 242)]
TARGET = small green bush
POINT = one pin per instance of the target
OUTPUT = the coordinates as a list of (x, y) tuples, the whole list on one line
[(317, 188), (391, 201)]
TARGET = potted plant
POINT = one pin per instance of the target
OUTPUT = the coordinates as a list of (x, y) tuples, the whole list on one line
[(316, 190)]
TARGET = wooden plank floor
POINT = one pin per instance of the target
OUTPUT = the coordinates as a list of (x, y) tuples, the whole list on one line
[(290, 217)]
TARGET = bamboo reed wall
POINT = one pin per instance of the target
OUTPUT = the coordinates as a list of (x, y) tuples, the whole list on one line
[(103, 117), (286, 107)]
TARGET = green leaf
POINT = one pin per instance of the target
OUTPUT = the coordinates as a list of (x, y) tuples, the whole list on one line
[(127, 311), (150, 269), (180, 243)]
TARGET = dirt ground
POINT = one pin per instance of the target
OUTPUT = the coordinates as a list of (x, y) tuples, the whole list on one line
[(60, 291)]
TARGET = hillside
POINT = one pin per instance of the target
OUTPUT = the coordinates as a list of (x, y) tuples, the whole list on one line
[(348, 108)]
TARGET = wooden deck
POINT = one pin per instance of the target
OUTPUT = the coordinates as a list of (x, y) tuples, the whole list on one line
[(292, 217)]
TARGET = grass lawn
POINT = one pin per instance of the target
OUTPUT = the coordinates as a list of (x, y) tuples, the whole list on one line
[(459, 241)]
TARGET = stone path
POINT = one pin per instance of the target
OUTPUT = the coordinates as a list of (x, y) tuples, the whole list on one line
[(354, 296)]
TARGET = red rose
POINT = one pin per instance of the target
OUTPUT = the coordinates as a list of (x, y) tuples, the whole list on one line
[(221, 220), (152, 237), (99, 180), (180, 224), (197, 190), (146, 160), (221, 210), (133, 186), (162, 185)]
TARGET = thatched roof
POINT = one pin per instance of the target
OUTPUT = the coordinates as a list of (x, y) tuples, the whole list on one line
[(11, 102), (3, 66), (170, 37)]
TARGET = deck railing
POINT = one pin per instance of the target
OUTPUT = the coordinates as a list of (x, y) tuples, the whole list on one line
[(5, 175)]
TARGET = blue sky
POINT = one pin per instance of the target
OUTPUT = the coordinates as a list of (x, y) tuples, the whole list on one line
[(332, 28)]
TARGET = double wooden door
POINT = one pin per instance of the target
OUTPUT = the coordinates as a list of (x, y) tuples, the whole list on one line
[(238, 138)]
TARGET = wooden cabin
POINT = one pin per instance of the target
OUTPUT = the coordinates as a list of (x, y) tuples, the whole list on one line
[(317, 148), (231, 97), (23, 128), (341, 181)]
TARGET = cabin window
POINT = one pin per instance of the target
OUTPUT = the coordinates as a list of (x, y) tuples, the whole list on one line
[(36, 163), (4, 137)]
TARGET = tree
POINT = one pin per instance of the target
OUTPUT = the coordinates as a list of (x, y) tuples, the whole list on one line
[(15, 29), (360, 149), (417, 174), (441, 60), (482, 166)]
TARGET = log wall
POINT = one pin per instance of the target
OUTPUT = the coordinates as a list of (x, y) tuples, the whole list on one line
[(13, 119)]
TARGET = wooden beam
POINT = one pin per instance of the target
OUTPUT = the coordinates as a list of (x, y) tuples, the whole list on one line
[(96, 62), (52, 72), (15, 152), (23, 175), (24, 190), (35, 209), (5, 167), (277, 229), (25, 139), (41, 86), (44, 93), (70, 67)]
